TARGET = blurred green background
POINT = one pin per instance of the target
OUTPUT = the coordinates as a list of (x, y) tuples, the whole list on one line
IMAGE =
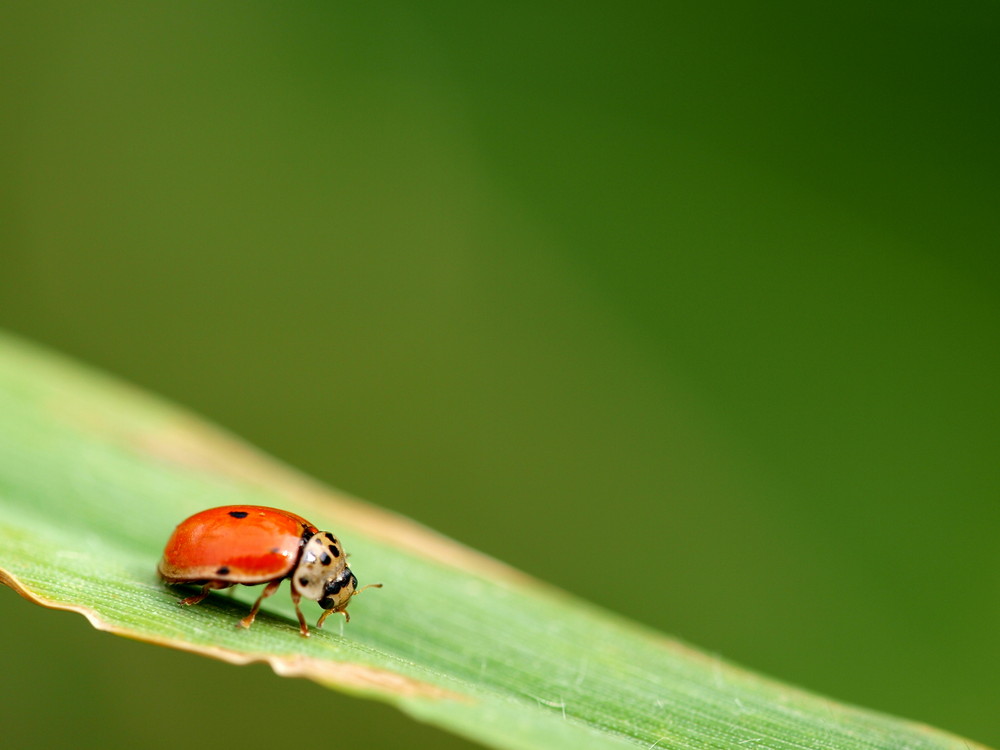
[(703, 294)]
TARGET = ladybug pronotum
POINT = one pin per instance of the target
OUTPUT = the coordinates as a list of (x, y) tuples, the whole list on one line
[(250, 544)]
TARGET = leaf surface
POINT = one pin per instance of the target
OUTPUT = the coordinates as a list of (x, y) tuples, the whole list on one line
[(94, 475)]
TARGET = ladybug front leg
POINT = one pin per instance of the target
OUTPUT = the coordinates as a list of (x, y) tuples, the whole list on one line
[(247, 621), (322, 617), (210, 586)]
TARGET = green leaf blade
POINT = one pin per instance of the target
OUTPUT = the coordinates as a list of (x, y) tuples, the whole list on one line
[(93, 477)]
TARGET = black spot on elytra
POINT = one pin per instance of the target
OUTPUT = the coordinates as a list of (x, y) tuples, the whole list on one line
[(334, 551), (223, 571), (275, 550), (326, 559), (303, 581), (354, 580), (238, 513)]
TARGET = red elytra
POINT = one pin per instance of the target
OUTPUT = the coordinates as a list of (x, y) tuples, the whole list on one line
[(239, 543), (252, 544)]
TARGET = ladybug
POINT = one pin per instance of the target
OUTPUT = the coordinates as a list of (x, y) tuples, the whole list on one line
[(251, 544)]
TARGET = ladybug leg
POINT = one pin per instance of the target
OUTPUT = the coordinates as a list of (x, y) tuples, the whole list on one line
[(322, 617), (210, 586), (303, 628), (247, 621)]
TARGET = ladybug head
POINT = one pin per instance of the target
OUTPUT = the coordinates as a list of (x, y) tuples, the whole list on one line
[(338, 592), (322, 560), (323, 575)]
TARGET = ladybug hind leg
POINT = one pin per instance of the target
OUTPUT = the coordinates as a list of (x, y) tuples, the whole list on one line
[(205, 590)]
